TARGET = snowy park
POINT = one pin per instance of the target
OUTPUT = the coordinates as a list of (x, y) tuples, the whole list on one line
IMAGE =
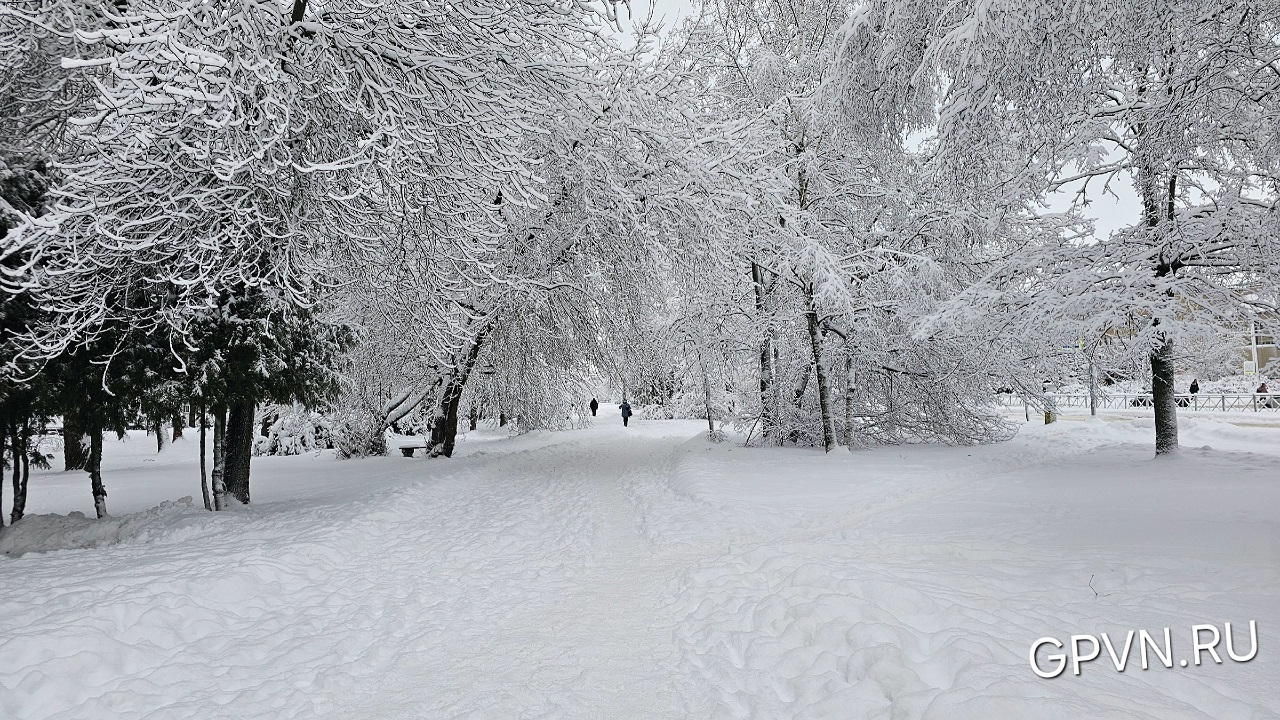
[(730, 359)]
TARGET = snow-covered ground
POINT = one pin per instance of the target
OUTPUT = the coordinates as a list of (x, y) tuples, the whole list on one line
[(645, 573)]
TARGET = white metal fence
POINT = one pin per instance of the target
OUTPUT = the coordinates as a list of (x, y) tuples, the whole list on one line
[(1200, 401)]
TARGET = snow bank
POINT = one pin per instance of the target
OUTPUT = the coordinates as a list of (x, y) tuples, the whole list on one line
[(45, 533)]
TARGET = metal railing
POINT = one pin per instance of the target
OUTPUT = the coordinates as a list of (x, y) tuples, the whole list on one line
[(1242, 402)]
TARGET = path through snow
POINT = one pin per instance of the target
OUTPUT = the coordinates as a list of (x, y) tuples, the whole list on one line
[(516, 585)]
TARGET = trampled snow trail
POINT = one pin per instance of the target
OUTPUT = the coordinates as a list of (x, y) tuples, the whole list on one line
[(569, 625), (513, 586)]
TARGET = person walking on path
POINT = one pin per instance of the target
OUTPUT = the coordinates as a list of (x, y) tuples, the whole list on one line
[(594, 406), (1195, 385), (626, 412), (1268, 400)]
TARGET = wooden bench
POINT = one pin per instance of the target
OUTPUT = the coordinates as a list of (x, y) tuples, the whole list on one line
[(407, 450)]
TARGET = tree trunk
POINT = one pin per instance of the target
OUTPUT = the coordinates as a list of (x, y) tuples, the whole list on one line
[(75, 442), (797, 401), (848, 399), (475, 416), (4, 445), (1093, 389), (777, 386), (162, 439), (219, 457), (20, 493), (444, 424), (204, 478), (1162, 396), (21, 468), (706, 399), (824, 390), (177, 424), (1162, 389), (502, 419), (237, 449), (95, 473), (768, 398)]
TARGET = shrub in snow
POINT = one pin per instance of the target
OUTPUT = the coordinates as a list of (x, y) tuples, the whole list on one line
[(295, 430), (1234, 384), (358, 433), (654, 412)]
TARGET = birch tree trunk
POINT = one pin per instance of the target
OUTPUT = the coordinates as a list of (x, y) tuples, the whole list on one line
[(95, 473), (204, 478), (21, 468)]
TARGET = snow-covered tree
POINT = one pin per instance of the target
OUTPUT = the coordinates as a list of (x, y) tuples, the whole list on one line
[(859, 240), (237, 145), (1178, 98)]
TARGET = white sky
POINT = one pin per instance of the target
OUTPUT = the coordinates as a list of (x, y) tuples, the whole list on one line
[(1109, 212), (672, 9)]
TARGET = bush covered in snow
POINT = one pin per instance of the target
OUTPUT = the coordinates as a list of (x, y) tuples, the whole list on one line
[(294, 431), (654, 412), (358, 434)]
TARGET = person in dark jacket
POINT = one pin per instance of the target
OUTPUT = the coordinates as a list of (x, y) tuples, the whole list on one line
[(1195, 385), (594, 406), (626, 412)]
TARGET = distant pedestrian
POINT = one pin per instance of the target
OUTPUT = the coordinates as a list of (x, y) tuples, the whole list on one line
[(594, 406), (1270, 400), (1195, 385), (626, 412)]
